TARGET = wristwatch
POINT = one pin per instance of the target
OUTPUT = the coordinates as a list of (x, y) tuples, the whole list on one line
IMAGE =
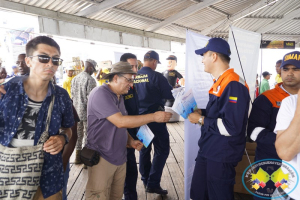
[(201, 120), (65, 136)]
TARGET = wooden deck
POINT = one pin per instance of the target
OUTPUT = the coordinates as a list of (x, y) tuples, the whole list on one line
[(172, 178)]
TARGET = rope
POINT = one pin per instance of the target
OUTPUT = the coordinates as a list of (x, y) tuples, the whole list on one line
[(261, 54), (245, 81), (249, 161)]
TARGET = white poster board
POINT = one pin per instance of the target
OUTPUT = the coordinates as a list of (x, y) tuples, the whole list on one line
[(248, 45), (200, 82)]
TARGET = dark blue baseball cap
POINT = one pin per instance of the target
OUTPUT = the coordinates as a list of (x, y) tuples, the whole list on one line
[(266, 74), (217, 45), (292, 58), (153, 55)]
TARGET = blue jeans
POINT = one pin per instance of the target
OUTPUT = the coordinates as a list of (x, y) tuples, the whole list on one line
[(66, 178)]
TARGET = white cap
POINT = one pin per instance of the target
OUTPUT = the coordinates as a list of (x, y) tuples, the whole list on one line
[(70, 68)]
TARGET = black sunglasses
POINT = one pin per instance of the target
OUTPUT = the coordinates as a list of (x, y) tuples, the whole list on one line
[(46, 59)]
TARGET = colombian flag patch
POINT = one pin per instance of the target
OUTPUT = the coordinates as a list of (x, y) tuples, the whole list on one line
[(233, 99)]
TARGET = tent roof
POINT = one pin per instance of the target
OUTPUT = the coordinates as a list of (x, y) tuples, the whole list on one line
[(274, 19)]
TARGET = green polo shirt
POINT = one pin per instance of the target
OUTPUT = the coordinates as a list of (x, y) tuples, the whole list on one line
[(264, 86)]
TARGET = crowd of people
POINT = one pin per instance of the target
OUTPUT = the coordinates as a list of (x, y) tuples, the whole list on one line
[(105, 120)]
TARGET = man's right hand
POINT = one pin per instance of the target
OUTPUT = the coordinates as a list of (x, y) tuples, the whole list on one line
[(161, 116), (2, 90), (194, 117), (199, 111), (298, 105)]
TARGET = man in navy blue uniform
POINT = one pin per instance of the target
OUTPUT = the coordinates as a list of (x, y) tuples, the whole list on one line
[(223, 126), (132, 106), (153, 89), (263, 116)]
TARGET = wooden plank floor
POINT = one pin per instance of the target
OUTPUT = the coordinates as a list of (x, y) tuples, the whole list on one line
[(172, 178)]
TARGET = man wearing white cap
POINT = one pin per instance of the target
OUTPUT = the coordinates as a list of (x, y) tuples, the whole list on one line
[(67, 80), (81, 86)]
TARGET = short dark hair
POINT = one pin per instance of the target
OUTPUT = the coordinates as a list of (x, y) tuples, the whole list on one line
[(278, 62), (31, 46), (148, 59), (111, 77), (223, 57), (127, 56)]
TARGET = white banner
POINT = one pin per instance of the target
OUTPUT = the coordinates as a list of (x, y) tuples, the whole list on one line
[(200, 82), (118, 56), (248, 45)]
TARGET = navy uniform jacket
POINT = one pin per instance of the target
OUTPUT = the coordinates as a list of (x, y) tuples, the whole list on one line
[(223, 135), (131, 102), (172, 76), (152, 88), (263, 117)]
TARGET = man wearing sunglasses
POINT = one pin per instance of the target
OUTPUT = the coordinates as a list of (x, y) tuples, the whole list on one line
[(81, 86), (21, 64), (26, 103)]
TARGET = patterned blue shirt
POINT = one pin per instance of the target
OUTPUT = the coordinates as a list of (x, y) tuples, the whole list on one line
[(12, 107)]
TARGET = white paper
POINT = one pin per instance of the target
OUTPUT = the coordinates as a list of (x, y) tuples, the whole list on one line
[(176, 91)]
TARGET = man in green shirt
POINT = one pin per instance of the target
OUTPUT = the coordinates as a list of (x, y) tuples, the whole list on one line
[(264, 86)]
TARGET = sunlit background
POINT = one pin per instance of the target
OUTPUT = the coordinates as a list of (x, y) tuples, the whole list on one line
[(16, 29)]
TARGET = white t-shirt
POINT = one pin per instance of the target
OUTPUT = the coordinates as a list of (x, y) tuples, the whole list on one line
[(284, 117)]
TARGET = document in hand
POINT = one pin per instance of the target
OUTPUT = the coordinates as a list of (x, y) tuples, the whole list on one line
[(145, 135), (7, 80), (185, 103), (176, 91)]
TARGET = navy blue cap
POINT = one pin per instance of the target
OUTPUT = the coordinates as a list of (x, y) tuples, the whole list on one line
[(266, 74), (153, 55), (292, 58), (217, 45), (172, 57)]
